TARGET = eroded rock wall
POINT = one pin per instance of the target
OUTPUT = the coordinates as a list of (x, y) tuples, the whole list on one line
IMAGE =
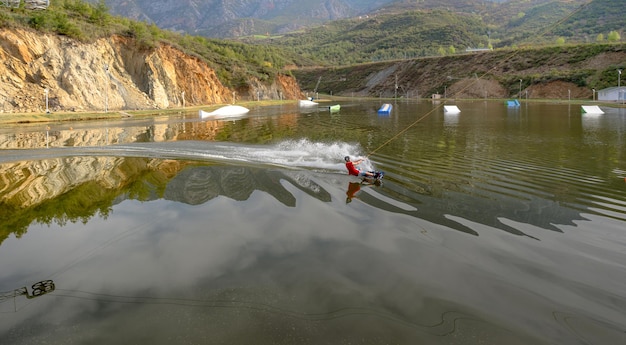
[(111, 73)]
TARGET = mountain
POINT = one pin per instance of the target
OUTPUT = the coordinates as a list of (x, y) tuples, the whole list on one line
[(233, 18), (410, 29), (237, 18), (354, 31), (385, 36)]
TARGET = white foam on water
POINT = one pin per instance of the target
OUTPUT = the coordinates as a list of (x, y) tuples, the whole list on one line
[(303, 153)]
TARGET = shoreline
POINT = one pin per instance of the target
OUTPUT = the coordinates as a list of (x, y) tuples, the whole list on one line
[(31, 118)]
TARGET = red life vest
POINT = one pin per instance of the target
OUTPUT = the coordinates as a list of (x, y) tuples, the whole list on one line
[(351, 169)]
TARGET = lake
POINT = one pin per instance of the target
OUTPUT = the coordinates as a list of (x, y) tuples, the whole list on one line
[(494, 225)]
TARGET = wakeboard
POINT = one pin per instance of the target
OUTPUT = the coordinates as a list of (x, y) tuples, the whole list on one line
[(376, 178)]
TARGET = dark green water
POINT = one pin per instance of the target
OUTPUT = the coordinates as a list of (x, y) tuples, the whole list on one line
[(495, 225)]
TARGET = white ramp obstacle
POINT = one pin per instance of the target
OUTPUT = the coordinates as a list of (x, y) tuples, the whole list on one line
[(451, 109), (223, 112), (591, 109)]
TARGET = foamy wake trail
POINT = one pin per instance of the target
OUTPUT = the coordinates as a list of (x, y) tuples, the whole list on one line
[(301, 153), (305, 153)]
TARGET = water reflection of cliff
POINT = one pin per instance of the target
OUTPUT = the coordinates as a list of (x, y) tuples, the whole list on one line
[(69, 189), (134, 131), (75, 189)]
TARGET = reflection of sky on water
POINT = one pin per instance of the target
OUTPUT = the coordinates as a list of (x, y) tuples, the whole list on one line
[(315, 267)]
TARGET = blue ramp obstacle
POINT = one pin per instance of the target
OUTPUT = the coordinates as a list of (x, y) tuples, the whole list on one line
[(385, 109)]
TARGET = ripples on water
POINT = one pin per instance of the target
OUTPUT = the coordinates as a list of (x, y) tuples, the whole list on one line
[(251, 227)]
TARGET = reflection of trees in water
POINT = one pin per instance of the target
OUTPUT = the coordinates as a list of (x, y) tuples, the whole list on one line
[(75, 189), (72, 189), (62, 190)]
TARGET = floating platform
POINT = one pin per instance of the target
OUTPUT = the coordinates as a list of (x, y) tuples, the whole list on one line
[(591, 109), (334, 108), (512, 103), (451, 109), (385, 109)]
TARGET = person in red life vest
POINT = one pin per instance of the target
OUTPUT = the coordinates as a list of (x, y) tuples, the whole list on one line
[(352, 170)]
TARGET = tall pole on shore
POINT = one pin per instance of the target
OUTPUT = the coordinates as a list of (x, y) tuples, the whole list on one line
[(106, 89), (619, 88), (47, 109)]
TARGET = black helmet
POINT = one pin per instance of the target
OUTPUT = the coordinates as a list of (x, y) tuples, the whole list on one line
[(346, 158)]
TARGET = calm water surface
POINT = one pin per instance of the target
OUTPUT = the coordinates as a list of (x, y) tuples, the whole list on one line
[(495, 225)]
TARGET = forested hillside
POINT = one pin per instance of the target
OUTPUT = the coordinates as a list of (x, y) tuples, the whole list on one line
[(400, 31), (387, 36), (356, 31), (597, 17), (506, 20), (517, 23)]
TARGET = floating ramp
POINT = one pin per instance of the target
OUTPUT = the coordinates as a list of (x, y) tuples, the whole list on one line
[(334, 108), (227, 111), (512, 103), (307, 103), (385, 109), (591, 109), (451, 109)]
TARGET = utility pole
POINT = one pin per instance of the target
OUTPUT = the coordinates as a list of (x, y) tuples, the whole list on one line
[(396, 89), (47, 109), (106, 89), (316, 86), (619, 88), (593, 97)]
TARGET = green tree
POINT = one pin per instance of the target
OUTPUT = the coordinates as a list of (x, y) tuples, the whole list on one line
[(600, 38), (100, 14), (560, 41), (613, 36), (451, 50), (441, 51)]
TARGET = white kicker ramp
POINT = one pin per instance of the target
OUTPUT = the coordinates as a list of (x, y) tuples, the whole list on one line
[(591, 109), (452, 109), (223, 112)]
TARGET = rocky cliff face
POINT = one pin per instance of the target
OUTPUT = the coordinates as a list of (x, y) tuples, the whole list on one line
[(112, 74)]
